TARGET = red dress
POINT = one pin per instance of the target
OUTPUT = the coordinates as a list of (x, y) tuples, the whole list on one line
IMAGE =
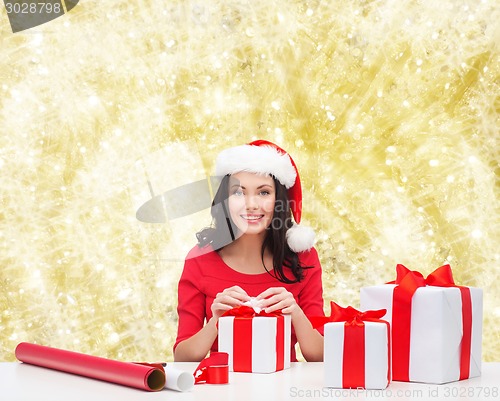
[(205, 275)]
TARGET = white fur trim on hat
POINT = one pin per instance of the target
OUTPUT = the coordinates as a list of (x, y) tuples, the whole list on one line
[(257, 159), (300, 238)]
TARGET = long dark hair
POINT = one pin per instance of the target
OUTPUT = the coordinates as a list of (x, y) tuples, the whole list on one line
[(224, 231)]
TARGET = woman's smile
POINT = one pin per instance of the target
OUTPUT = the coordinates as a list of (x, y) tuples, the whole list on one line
[(252, 218)]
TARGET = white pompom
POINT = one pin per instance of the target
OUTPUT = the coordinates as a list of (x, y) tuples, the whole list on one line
[(300, 238)]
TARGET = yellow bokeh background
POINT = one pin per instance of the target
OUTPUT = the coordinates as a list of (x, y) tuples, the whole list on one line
[(389, 108)]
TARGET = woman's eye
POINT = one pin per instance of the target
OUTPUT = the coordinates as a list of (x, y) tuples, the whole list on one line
[(238, 192), (264, 193)]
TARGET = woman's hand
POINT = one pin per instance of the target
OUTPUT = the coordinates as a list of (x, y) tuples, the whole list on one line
[(228, 299), (276, 298), (310, 340)]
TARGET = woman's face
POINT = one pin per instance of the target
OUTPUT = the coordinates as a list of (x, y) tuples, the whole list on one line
[(251, 201)]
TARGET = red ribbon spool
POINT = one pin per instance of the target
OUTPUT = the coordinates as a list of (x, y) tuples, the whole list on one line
[(213, 370)]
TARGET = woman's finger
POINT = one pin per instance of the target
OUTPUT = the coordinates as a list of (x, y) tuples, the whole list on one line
[(270, 301), (277, 306), (269, 292), (237, 292)]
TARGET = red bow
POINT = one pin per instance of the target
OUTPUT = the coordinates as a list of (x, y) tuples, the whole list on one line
[(441, 277), (408, 282), (349, 315), (248, 311)]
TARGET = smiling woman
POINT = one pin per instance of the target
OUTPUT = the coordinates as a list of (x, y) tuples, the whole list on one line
[(251, 202), (253, 250), (390, 109)]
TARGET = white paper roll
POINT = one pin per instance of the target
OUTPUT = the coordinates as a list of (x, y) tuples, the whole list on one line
[(178, 380)]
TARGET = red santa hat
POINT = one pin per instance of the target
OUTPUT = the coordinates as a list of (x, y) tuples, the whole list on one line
[(264, 157)]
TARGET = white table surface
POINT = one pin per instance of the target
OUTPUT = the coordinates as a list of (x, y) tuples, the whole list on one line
[(23, 382)]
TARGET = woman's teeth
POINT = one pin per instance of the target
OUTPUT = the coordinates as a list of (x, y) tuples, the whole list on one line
[(252, 217)]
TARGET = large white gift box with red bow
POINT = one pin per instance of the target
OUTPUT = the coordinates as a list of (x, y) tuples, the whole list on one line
[(436, 326)]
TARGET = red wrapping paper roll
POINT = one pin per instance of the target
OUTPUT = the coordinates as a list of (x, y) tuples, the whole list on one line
[(144, 377)]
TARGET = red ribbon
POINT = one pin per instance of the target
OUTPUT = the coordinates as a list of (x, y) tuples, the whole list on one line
[(242, 337), (353, 369), (213, 370), (349, 315), (408, 282), (248, 311)]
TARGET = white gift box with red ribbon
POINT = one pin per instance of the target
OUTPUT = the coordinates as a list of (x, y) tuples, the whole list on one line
[(356, 348), (444, 331), (258, 344), (338, 364)]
